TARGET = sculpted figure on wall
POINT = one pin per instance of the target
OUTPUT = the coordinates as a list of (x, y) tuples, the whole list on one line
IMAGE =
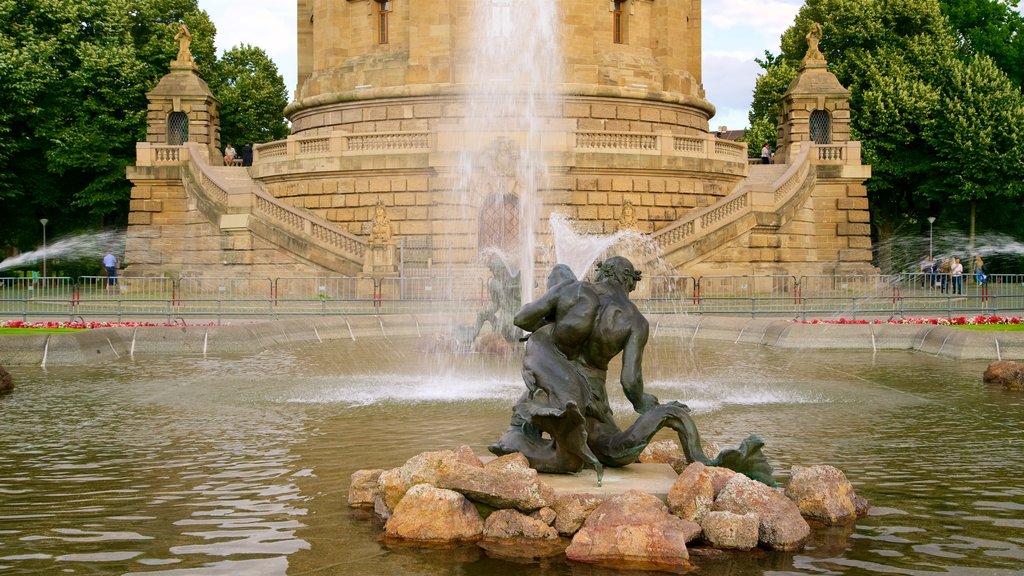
[(184, 38), (380, 226), (627, 221)]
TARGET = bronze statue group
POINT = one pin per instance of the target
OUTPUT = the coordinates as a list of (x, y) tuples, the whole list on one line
[(563, 422)]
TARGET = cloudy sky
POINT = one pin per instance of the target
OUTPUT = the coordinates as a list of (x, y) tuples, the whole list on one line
[(735, 32)]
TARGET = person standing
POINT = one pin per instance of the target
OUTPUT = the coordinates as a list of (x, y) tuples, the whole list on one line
[(766, 154), (110, 265), (981, 277), (957, 276), (247, 155)]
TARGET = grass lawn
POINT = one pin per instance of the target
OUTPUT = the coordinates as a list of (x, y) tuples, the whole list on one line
[(24, 331), (993, 327)]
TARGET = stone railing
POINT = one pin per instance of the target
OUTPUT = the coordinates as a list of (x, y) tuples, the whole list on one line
[(611, 141), (663, 144), (735, 206), (221, 198), (342, 143), (152, 154), (339, 144)]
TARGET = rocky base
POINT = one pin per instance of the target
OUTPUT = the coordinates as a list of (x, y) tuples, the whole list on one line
[(1009, 374), (452, 497), (6, 382)]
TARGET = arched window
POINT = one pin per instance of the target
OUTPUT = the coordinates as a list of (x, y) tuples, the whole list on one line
[(383, 10), (499, 223), (177, 128), (821, 127), (618, 22)]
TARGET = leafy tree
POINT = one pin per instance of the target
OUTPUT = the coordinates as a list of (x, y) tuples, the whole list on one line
[(75, 75), (252, 96), (976, 135), (768, 90), (918, 100), (992, 28)]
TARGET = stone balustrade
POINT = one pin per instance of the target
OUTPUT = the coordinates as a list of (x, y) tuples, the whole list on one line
[(419, 142), (749, 198)]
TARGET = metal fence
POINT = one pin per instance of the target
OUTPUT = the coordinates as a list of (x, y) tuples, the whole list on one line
[(94, 298)]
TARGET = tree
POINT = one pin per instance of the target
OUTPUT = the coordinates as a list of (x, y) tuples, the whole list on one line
[(768, 90), (992, 28), (976, 135), (897, 57), (75, 75), (252, 96)]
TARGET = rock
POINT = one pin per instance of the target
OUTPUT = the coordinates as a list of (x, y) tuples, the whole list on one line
[(823, 493), (692, 494), (505, 482), (363, 488), (508, 523), (663, 452), (727, 530), (1009, 374), (633, 530), (719, 477), (546, 515), (571, 510), (6, 382), (780, 525), (420, 469), (669, 452), (862, 505), (513, 534), (434, 515)]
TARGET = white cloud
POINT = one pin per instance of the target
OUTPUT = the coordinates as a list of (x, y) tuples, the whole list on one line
[(267, 24), (770, 16)]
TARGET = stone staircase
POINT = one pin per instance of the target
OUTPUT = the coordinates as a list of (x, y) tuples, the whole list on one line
[(766, 198), (237, 203)]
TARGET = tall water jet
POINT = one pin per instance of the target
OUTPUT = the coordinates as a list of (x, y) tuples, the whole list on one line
[(512, 92)]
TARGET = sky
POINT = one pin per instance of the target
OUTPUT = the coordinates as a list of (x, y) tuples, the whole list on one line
[(734, 33)]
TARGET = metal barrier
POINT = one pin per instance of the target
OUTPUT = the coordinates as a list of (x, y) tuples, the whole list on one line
[(94, 298), (322, 295)]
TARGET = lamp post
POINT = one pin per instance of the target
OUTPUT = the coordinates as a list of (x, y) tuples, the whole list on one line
[(931, 220), (43, 221)]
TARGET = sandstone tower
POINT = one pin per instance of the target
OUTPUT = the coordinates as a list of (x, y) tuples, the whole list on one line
[(412, 113)]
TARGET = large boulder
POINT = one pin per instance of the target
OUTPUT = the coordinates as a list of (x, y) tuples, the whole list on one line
[(508, 523), (780, 525), (434, 515), (634, 531), (822, 493), (505, 482), (512, 534), (6, 382), (363, 488), (571, 510), (724, 529), (420, 469), (692, 494), (1009, 374)]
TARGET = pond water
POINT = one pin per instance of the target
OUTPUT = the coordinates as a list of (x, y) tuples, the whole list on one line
[(240, 466)]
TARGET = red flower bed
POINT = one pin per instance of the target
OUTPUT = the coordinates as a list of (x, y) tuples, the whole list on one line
[(84, 325), (958, 321)]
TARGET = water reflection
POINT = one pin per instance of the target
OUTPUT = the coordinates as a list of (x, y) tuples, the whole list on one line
[(241, 466)]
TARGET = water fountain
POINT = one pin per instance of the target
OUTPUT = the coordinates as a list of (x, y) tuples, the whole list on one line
[(89, 245), (510, 93)]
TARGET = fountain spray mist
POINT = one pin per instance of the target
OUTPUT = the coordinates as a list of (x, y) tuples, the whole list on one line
[(81, 246), (513, 77)]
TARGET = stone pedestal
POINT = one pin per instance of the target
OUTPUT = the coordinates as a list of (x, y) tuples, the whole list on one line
[(380, 260)]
